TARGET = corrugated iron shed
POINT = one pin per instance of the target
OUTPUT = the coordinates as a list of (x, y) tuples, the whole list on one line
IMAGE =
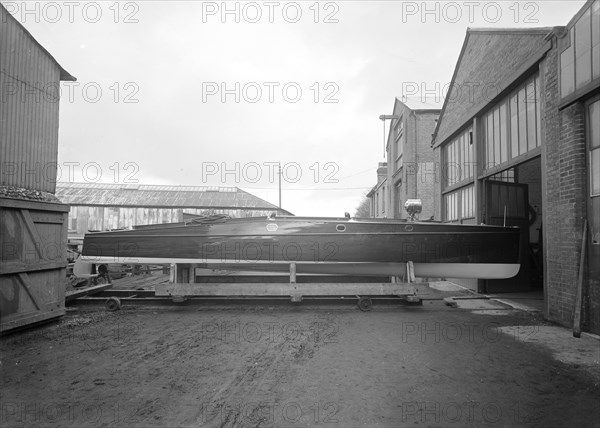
[(29, 78), (160, 196)]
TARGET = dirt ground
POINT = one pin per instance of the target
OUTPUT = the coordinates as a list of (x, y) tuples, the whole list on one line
[(292, 366)]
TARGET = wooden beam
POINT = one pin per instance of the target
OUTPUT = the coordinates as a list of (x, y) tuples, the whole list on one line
[(33, 205), (72, 295), (292, 273), (286, 289), (33, 294), (579, 296)]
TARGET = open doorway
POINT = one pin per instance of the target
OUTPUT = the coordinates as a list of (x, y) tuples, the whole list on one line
[(514, 198)]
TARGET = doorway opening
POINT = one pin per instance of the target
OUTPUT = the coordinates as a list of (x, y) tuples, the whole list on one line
[(514, 198)]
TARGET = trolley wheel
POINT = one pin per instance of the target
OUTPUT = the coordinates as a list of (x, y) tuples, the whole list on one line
[(113, 304), (364, 304)]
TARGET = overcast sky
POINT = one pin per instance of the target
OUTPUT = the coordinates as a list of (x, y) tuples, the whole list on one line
[(149, 104)]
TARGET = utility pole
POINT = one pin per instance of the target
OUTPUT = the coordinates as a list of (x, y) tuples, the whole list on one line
[(279, 164)]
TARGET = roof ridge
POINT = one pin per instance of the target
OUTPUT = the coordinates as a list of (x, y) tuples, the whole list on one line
[(532, 30), (139, 185)]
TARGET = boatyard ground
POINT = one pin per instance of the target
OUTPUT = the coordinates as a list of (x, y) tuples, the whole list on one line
[(482, 363)]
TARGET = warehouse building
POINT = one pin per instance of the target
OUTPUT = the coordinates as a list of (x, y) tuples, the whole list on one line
[(33, 224), (517, 143), (98, 206)]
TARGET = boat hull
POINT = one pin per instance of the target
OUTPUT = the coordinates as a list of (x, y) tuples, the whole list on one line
[(319, 245)]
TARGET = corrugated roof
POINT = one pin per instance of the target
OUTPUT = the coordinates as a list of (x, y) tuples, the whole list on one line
[(151, 195), (486, 66)]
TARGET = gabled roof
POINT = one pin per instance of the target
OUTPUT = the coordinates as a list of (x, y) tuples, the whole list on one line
[(489, 62), (134, 195), (6, 15), (417, 104)]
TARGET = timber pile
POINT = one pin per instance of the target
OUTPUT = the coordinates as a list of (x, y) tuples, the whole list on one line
[(27, 194)]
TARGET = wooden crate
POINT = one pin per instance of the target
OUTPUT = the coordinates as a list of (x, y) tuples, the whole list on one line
[(33, 237)]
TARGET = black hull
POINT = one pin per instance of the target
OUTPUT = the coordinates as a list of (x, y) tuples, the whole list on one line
[(310, 240)]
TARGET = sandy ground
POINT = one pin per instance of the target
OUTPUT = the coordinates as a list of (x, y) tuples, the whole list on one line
[(297, 366)]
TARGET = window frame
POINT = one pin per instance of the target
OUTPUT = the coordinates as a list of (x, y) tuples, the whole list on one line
[(518, 126), (461, 149)]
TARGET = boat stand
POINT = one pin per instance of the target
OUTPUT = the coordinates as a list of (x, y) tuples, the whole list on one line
[(183, 285)]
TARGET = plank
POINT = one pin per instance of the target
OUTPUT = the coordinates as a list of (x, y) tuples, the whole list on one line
[(33, 294), (72, 295), (35, 236), (33, 205), (20, 266)]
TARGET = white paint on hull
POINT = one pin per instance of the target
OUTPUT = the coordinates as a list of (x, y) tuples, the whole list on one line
[(431, 270)]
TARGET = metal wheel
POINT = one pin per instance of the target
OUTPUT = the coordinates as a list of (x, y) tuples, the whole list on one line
[(364, 304), (113, 304)]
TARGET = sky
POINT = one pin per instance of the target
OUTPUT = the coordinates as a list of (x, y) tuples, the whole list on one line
[(219, 94)]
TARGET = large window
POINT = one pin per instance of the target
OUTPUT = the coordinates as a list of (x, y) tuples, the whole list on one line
[(594, 170), (512, 127), (460, 204), (459, 164), (580, 60), (459, 168)]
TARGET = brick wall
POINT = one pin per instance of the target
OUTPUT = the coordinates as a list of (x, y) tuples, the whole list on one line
[(437, 192), (425, 157), (565, 206), (419, 177)]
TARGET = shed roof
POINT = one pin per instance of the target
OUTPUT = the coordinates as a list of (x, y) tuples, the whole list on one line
[(489, 62), (6, 15), (145, 195)]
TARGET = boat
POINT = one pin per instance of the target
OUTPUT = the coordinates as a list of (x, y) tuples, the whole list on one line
[(316, 245)]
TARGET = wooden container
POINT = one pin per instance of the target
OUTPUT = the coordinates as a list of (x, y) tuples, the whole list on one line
[(33, 262)]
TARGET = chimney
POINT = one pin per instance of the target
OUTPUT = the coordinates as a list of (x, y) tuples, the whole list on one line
[(381, 172)]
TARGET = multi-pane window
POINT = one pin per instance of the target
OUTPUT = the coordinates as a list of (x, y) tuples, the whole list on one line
[(594, 146), (580, 61), (451, 204), (512, 127), (594, 170), (399, 139), (506, 175), (460, 204), (459, 164), (467, 196)]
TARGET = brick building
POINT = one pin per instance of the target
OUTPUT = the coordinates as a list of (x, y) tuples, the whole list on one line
[(572, 166), (408, 152), (377, 195), (518, 142)]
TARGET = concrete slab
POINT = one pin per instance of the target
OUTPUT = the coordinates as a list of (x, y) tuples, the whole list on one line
[(584, 351), (445, 286), (532, 301), (479, 304)]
